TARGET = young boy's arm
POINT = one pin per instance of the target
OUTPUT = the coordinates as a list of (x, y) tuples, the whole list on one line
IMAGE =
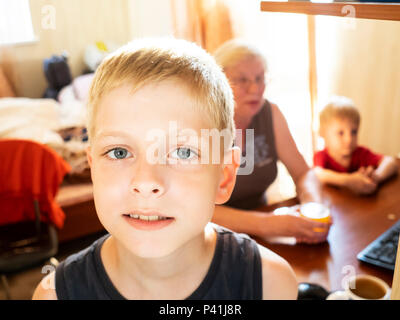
[(279, 280), (331, 177), (46, 288), (386, 168), (356, 181)]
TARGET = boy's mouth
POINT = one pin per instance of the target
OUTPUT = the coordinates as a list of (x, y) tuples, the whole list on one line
[(147, 217), (150, 221)]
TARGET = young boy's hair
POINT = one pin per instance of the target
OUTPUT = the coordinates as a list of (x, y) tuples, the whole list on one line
[(233, 51), (154, 60), (338, 107)]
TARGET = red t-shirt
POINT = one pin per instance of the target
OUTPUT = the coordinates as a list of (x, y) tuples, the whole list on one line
[(361, 157)]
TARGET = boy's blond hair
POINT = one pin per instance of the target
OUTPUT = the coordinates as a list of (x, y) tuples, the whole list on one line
[(235, 50), (338, 107), (154, 60)]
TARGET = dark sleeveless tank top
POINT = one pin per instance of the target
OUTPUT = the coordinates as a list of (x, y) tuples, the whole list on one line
[(235, 272), (249, 190)]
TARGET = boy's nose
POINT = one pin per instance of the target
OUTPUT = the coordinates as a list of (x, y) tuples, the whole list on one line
[(348, 139), (147, 189), (147, 182)]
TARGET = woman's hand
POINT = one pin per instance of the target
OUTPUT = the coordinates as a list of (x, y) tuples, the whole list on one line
[(303, 229)]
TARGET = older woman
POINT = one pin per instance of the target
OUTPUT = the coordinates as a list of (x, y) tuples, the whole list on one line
[(245, 67)]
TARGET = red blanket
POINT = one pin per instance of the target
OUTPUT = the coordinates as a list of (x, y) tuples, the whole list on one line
[(30, 170)]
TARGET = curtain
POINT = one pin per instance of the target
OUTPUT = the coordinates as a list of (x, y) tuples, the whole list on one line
[(206, 22)]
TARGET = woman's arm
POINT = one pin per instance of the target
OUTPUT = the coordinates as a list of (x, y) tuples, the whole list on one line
[(250, 222), (308, 187), (265, 225)]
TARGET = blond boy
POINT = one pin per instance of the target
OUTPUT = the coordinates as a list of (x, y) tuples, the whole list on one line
[(156, 197), (343, 162)]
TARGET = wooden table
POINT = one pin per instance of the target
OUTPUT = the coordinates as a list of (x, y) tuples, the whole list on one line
[(81, 220), (357, 220)]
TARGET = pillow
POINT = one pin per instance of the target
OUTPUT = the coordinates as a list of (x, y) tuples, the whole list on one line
[(81, 86)]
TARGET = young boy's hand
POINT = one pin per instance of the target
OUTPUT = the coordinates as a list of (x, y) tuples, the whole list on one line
[(371, 173), (367, 171), (361, 181)]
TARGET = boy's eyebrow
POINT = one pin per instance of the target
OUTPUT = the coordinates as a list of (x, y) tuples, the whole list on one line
[(118, 133), (113, 133)]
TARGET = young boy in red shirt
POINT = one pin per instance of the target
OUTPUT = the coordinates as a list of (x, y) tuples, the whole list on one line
[(343, 162)]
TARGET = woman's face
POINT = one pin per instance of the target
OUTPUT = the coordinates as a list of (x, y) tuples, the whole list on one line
[(248, 84)]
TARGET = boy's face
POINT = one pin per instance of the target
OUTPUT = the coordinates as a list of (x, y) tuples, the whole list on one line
[(153, 204), (340, 135)]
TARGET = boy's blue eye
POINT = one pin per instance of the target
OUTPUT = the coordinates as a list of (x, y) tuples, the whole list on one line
[(118, 153), (183, 153)]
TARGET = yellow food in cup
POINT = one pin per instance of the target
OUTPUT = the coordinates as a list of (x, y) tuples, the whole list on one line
[(316, 212)]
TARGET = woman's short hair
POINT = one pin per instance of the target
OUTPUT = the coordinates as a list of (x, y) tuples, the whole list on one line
[(235, 50)]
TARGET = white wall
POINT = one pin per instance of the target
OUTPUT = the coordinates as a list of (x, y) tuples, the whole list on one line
[(150, 18)]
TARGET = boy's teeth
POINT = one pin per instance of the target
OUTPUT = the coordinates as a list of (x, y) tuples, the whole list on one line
[(146, 218)]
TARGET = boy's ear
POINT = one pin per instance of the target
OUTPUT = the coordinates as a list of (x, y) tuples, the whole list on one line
[(227, 182), (89, 156)]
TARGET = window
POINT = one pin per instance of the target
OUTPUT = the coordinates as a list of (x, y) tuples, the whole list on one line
[(15, 22)]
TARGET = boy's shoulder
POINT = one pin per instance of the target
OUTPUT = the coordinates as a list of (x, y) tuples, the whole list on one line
[(57, 284), (73, 275), (235, 240), (46, 288), (320, 158), (236, 243), (362, 150), (89, 251), (235, 269), (364, 157), (279, 280), (321, 153)]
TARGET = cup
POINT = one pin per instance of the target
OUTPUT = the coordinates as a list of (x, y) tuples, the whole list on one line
[(317, 212), (363, 287)]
